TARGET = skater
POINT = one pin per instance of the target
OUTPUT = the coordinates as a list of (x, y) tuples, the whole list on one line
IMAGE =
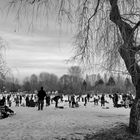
[(56, 98), (27, 101), (85, 101), (9, 100), (103, 100), (41, 95), (69, 100), (73, 101), (20, 99), (5, 111), (48, 100), (96, 99), (88, 97), (32, 102), (17, 101), (115, 99)]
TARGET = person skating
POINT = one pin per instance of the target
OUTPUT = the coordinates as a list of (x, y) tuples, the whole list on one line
[(20, 99), (103, 100), (96, 99), (41, 95), (56, 98), (115, 99), (85, 101), (88, 97), (5, 111), (73, 101), (27, 101), (48, 99), (9, 100), (17, 100)]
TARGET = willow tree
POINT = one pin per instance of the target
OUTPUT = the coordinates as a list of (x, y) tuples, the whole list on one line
[(4, 70), (105, 28)]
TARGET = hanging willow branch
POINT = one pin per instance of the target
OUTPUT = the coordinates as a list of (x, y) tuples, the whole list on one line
[(96, 36)]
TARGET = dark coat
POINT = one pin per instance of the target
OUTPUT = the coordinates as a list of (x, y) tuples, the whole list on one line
[(41, 95), (2, 102), (56, 98)]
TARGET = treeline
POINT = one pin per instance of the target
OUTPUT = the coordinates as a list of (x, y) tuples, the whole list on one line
[(71, 83), (67, 84), (113, 84)]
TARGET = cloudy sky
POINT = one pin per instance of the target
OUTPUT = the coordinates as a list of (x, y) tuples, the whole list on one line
[(44, 47)]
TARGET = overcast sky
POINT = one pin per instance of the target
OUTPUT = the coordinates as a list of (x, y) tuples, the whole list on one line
[(43, 48)]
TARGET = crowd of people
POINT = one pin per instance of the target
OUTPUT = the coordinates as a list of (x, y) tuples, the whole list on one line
[(37, 100), (5, 111), (119, 100)]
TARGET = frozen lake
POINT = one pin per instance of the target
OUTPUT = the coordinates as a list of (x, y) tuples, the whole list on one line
[(67, 123)]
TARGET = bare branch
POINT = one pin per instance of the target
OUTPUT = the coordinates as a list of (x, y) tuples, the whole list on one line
[(96, 35), (136, 26)]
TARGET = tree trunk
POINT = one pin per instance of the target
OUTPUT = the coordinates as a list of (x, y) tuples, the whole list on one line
[(127, 51), (134, 122)]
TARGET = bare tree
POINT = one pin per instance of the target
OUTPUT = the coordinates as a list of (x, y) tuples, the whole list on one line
[(34, 82), (48, 81), (4, 70), (26, 84), (70, 84), (75, 71), (107, 28)]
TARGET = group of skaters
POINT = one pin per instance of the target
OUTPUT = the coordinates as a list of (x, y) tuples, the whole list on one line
[(74, 100), (19, 100), (37, 100), (122, 100), (33, 100), (119, 100)]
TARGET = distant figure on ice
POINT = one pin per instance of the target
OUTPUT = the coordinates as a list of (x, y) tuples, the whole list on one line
[(5, 111), (41, 95), (115, 99), (85, 101), (9, 102), (88, 97), (103, 100), (69, 100), (32, 102), (56, 98), (4, 100), (27, 101), (17, 100), (20, 98), (48, 99), (73, 101), (96, 99)]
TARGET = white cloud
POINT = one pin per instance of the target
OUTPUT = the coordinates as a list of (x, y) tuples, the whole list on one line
[(44, 48), (33, 54)]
